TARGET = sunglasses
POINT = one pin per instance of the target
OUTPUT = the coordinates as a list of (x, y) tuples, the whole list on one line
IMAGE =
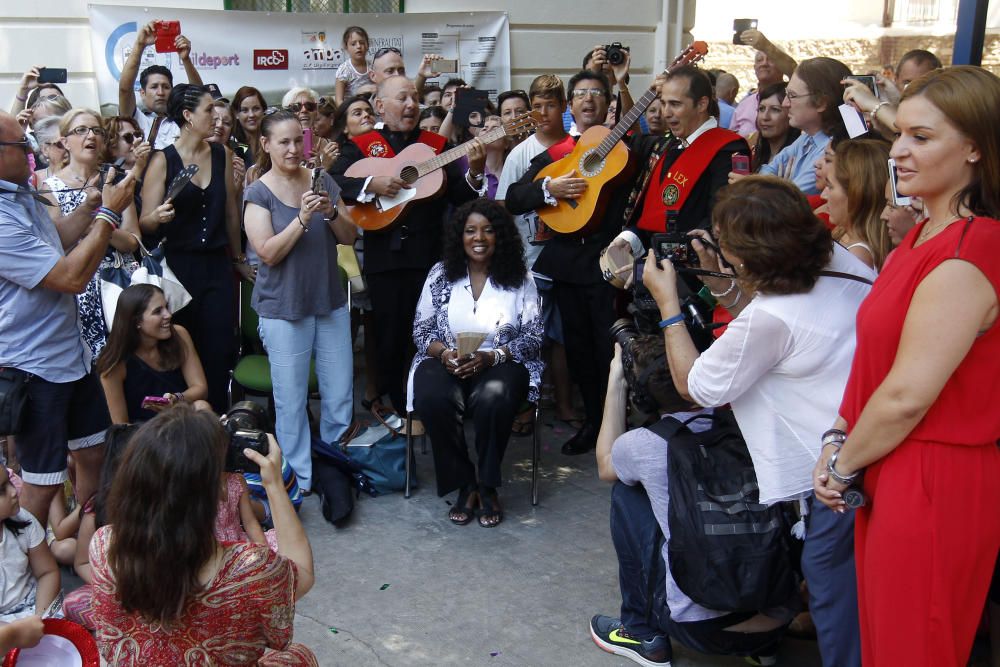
[(131, 137), (84, 131), (296, 107), (386, 49), (23, 143)]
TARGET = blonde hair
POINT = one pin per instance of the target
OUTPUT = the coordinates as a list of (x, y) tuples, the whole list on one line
[(861, 168), (295, 92), (548, 86), (67, 120)]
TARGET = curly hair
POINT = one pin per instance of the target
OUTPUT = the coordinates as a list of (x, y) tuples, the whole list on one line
[(768, 223), (508, 267)]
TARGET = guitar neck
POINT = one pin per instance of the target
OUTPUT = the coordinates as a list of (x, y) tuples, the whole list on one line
[(449, 156), (626, 122)]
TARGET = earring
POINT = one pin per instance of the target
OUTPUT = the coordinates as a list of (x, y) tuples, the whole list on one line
[(972, 160)]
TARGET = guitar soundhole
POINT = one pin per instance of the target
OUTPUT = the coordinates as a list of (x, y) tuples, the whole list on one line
[(591, 163), (409, 174)]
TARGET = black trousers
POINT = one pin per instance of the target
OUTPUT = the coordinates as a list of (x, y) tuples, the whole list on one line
[(210, 317), (641, 571), (394, 296), (587, 313), (490, 397)]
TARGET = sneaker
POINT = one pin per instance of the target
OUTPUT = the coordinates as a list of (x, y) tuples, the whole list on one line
[(609, 634)]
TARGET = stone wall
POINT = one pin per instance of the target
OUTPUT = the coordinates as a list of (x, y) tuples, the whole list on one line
[(861, 55)]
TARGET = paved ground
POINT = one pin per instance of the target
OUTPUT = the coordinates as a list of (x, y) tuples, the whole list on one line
[(519, 594)]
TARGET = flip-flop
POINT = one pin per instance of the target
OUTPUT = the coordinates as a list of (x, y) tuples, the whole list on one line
[(491, 513), (521, 429)]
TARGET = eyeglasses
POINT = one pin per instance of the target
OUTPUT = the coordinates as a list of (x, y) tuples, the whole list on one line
[(83, 131), (23, 143), (387, 49), (792, 95), (580, 93), (296, 107), (130, 137)]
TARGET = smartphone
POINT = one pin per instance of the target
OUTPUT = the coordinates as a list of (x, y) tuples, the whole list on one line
[(868, 80), (897, 199), (446, 67), (166, 33), (155, 400), (307, 142), (741, 164), (52, 75), (740, 25), (214, 91), (317, 182)]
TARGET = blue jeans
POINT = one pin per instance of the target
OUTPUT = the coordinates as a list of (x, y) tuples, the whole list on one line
[(290, 346)]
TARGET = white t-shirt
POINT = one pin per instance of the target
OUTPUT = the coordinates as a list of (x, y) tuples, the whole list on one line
[(354, 79), (514, 167), (17, 583), (783, 365), (167, 133)]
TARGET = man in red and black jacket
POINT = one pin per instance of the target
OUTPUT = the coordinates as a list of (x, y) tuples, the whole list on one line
[(397, 259), (584, 299)]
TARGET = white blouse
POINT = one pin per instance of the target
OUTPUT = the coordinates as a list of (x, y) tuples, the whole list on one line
[(783, 365)]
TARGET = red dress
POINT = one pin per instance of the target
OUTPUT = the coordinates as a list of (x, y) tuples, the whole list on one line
[(927, 542), (248, 608)]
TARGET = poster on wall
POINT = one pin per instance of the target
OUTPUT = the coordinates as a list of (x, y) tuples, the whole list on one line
[(276, 51)]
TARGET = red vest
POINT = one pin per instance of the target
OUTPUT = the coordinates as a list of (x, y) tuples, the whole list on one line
[(373, 144), (671, 193)]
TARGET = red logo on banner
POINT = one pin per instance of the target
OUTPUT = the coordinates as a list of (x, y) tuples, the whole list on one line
[(270, 58)]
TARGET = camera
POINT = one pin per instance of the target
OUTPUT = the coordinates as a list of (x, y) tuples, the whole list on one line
[(625, 332), (247, 424), (616, 53)]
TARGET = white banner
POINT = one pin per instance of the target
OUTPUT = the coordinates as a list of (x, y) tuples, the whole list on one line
[(277, 51)]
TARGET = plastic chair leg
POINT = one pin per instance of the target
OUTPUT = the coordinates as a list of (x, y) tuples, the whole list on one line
[(535, 456), (409, 452)]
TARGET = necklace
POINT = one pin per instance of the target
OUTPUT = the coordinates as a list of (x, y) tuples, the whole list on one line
[(925, 233)]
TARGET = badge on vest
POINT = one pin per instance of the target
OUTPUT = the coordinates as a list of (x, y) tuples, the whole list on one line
[(671, 194), (377, 149)]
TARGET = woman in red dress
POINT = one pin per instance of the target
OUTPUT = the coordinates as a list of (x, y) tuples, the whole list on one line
[(920, 414), (166, 592)]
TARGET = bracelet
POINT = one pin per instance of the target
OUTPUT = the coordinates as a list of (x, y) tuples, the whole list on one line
[(105, 218), (831, 467), (19, 98), (874, 112), (834, 437), (732, 286), (114, 216), (739, 295), (670, 321), (302, 224)]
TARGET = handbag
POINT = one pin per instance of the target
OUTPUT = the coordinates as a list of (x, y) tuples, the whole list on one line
[(115, 277), (13, 399), (153, 270), (347, 259), (381, 454)]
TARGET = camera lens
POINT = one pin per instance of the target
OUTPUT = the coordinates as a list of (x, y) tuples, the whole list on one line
[(616, 57), (623, 331)]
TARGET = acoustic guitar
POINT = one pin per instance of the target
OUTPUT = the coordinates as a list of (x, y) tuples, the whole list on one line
[(419, 167), (603, 161)]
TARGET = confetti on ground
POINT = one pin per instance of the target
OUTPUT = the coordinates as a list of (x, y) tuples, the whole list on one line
[(494, 654), (383, 587), (334, 630)]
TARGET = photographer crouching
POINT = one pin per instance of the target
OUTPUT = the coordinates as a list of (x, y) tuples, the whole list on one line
[(782, 364), (654, 607)]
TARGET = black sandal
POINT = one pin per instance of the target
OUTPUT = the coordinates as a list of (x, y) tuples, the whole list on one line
[(491, 513), (464, 508)]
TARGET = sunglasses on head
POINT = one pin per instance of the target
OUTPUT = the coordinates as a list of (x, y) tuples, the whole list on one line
[(296, 107), (387, 49)]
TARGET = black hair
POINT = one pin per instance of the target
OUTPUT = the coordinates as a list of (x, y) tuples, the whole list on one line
[(155, 69), (588, 75), (269, 121), (339, 130), (699, 86), (184, 97), (649, 357), (116, 439), (15, 526), (433, 112), (762, 150), (921, 57), (511, 94), (454, 81), (508, 267)]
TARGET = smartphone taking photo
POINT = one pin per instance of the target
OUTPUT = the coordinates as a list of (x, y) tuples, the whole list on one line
[(740, 26), (897, 199)]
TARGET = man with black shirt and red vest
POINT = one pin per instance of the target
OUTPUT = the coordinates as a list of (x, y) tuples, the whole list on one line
[(696, 164), (585, 300), (397, 259)]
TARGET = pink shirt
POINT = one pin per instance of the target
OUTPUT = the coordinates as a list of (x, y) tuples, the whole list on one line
[(744, 119)]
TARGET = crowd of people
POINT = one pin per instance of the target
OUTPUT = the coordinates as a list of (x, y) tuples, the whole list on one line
[(836, 295)]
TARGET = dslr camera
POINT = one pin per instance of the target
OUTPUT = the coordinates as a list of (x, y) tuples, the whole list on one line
[(616, 53), (625, 332), (247, 424)]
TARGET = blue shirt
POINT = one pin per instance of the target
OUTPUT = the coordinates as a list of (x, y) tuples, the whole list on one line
[(39, 327), (797, 161), (726, 112)]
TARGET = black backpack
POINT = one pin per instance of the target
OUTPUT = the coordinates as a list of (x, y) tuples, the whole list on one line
[(727, 551)]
